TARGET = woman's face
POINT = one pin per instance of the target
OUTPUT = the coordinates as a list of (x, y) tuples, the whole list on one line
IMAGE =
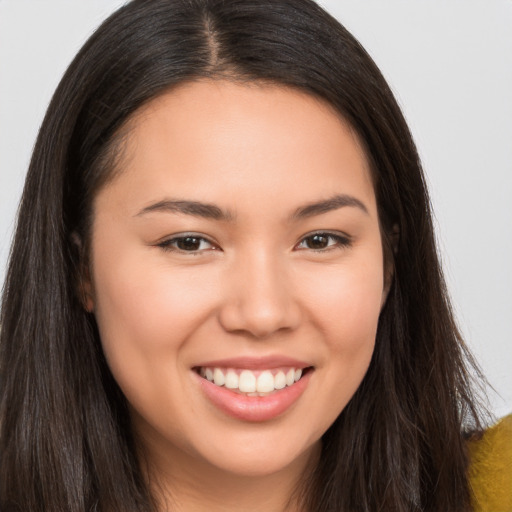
[(240, 242)]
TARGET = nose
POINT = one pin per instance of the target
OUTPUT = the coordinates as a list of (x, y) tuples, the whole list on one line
[(260, 300)]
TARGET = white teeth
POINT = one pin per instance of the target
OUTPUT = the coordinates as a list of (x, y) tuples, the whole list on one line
[(231, 380), (247, 382), (265, 382), (218, 377), (279, 380), (254, 384)]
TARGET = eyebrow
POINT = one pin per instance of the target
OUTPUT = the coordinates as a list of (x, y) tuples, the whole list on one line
[(211, 211), (195, 208), (333, 203)]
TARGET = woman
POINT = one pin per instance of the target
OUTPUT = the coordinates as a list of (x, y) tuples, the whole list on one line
[(224, 290)]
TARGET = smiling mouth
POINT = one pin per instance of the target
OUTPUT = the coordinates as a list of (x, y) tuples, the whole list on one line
[(253, 382)]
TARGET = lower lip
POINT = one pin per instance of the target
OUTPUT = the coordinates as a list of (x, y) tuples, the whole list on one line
[(254, 408)]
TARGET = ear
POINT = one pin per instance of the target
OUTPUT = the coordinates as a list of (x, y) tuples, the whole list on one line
[(86, 291), (83, 279), (390, 251)]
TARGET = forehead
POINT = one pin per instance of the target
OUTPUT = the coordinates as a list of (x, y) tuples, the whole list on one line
[(206, 137)]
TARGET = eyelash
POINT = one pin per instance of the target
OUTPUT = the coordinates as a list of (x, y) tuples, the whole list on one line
[(340, 242), (170, 244)]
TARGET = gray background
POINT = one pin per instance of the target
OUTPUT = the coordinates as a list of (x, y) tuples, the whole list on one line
[(450, 65)]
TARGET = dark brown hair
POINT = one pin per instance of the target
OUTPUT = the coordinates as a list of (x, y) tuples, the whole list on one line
[(65, 438)]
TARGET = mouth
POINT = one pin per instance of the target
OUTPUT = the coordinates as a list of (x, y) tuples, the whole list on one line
[(254, 390), (250, 382)]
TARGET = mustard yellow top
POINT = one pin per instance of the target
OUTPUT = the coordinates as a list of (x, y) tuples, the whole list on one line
[(490, 472)]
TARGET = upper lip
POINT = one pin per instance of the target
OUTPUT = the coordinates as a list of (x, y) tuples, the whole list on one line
[(255, 363)]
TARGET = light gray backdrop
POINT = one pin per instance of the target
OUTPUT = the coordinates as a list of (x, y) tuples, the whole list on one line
[(450, 65)]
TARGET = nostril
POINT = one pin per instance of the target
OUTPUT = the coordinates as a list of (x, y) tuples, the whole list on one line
[(260, 323)]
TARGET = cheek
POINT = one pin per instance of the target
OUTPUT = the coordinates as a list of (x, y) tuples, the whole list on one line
[(345, 302), (345, 309), (145, 313), (149, 300), (355, 304)]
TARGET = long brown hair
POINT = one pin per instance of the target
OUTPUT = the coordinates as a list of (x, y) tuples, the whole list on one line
[(65, 437)]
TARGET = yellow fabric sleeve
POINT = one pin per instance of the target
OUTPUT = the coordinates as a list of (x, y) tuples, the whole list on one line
[(490, 472)]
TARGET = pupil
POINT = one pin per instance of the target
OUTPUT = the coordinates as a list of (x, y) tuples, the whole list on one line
[(318, 242), (189, 243)]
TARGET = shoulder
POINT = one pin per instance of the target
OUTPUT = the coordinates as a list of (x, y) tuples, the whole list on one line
[(490, 472)]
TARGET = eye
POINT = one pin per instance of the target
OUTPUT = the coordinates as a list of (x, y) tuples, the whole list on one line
[(187, 243), (324, 242)]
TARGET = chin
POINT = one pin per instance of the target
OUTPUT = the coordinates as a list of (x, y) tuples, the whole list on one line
[(265, 459)]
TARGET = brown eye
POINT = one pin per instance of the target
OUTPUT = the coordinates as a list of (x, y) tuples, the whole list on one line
[(324, 242), (317, 242), (191, 244)]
